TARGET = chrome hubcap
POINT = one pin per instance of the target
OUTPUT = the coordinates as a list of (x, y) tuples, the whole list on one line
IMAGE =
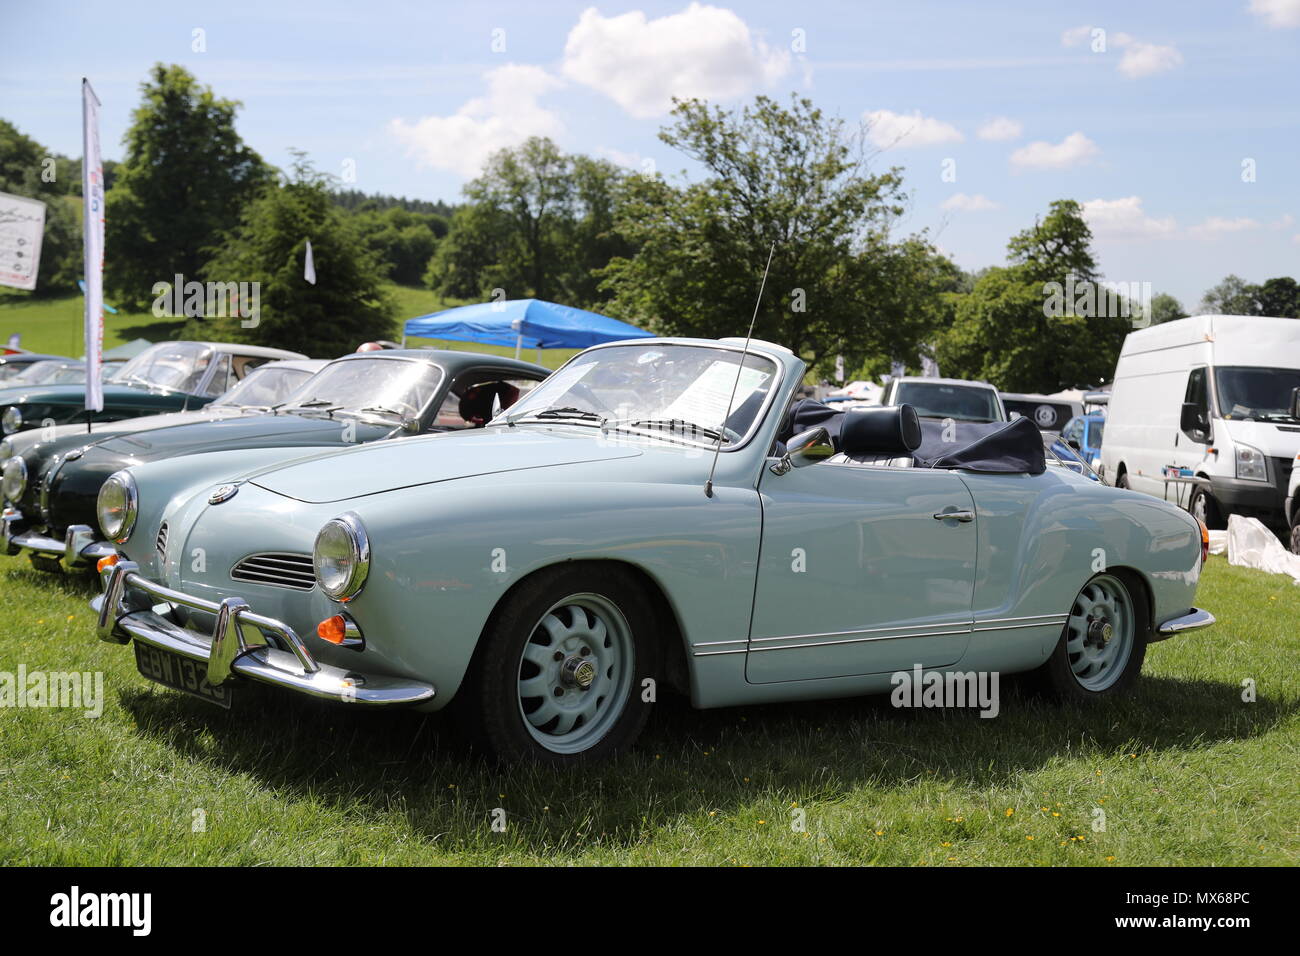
[(575, 673), (1100, 633)]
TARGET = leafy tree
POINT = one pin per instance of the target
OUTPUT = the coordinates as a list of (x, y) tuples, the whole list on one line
[(186, 178), (346, 306), (789, 176), (1007, 331), (1232, 296), (402, 240), (1278, 297), (24, 171), (1165, 308)]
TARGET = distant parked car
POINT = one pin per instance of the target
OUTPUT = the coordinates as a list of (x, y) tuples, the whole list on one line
[(50, 489), (166, 377), (940, 398), (1085, 433), (14, 364)]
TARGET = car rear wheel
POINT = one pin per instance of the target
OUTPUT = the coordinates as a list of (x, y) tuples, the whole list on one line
[(560, 674), (1103, 644)]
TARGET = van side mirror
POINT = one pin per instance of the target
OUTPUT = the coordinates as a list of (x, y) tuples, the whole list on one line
[(1295, 403), (1194, 423), (806, 448)]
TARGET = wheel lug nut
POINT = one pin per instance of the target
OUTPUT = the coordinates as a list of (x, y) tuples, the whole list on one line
[(559, 692), (585, 651), (559, 656)]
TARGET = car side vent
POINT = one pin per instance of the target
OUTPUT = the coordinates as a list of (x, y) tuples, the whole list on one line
[(161, 542), (279, 569)]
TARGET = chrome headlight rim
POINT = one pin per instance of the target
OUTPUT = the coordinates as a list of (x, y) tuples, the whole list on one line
[(14, 478), (12, 420), (6, 450), (119, 532), (349, 525)]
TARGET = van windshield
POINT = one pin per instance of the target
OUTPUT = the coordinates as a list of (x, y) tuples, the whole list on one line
[(1262, 394)]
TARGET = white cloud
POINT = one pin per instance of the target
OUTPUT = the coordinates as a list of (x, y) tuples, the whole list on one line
[(1071, 151), (888, 128), (963, 203), (1000, 128), (507, 116), (1076, 35), (1125, 219), (1217, 226), (1279, 14), (1145, 59), (641, 64)]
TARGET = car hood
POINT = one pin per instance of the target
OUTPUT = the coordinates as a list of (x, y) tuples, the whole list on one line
[(76, 395), (388, 466), (249, 431), (1273, 440)]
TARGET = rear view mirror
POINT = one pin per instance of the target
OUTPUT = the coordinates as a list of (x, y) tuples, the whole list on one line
[(806, 448), (1194, 423)]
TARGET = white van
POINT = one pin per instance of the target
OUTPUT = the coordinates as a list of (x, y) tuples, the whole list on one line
[(1211, 397)]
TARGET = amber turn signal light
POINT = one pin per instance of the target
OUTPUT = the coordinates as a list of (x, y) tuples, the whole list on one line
[(333, 629), (1205, 541), (106, 562)]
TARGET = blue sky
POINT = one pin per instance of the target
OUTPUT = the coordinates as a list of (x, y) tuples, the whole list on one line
[(1149, 123)]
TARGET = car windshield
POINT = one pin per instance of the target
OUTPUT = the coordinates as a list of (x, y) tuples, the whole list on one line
[(264, 387), (963, 403), (1263, 394), (679, 392), (178, 366), (375, 387), (10, 371), (1095, 432), (51, 373)]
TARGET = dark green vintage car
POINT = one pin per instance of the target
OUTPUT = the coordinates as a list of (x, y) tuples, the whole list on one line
[(166, 377)]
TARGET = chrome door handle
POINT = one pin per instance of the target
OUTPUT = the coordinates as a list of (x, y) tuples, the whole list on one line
[(955, 515)]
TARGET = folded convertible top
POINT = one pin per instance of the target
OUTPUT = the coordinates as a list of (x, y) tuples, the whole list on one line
[(1014, 447)]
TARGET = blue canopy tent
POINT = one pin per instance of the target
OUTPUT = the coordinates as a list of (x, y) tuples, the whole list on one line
[(523, 323)]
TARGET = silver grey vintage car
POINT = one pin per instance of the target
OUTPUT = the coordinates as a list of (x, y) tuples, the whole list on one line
[(664, 512)]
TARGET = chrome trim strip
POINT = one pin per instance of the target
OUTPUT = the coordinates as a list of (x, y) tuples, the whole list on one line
[(867, 630), (860, 640), (715, 643), (718, 653)]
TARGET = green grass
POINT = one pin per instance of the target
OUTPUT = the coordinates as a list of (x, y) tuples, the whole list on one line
[(55, 325), (1186, 772)]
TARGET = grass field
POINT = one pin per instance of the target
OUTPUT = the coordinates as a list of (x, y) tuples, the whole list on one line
[(1185, 771), (55, 325)]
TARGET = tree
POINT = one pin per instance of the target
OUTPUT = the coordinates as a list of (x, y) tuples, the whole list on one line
[(186, 178), (345, 307), (1043, 322), (29, 169), (789, 176), (1165, 308), (402, 240), (1278, 297), (1232, 296)]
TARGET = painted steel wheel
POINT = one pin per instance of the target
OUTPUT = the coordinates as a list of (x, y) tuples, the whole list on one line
[(1103, 644)]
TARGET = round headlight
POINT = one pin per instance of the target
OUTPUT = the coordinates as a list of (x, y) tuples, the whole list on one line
[(15, 479), (118, 505), (12, 421), (342, 557)]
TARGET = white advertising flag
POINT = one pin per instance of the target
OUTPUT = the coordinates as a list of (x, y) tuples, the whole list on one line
[(22, 223), (92, 191), (309, 266)]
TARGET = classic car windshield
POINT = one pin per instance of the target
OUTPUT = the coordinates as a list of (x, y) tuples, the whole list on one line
[(1260, 393), (378, 386), (264, 387), (962, 403), (51, 373), (174, 365), (656, 389)]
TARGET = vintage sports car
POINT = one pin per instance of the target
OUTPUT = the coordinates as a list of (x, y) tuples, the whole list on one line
[(165, 377), (658, 512), (13, 364), (50, 488)]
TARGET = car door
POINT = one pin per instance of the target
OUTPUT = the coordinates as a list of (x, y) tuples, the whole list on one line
[(859, 573)]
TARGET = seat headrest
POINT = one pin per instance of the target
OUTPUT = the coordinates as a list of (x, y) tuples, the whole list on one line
[(880, 430)]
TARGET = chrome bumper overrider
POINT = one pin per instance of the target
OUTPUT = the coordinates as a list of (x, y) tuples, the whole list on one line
[(238, 645), (79, 546), (1191, 621)]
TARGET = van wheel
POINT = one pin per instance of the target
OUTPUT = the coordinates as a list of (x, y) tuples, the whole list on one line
[(1205, 509), (559, 679), (1121, 480), (1295, 534), (1104, 642)]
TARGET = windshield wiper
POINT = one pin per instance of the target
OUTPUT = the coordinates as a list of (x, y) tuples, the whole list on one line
[(567, 411), (672, 423)]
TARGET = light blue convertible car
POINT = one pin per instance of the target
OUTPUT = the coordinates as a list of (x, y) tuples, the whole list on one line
[(658, 513)]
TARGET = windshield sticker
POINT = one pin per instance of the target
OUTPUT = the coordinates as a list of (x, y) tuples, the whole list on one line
[(703, 399)]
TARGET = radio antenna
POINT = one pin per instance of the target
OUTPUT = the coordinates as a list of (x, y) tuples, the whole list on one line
[(717, 451)]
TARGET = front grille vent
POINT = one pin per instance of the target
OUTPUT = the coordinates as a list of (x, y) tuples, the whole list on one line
[(279, 569), (161, 542)]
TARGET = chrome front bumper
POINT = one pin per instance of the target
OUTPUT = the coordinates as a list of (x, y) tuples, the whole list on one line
[(240, 644), (79, 547), (1193, 620)]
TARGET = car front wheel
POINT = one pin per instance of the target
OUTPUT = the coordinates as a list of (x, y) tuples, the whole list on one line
[(1103, 644), (560, 676)]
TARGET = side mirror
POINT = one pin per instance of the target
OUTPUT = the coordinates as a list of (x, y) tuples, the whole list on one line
[(1194, 424), (806, 448), (1295, 403)]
